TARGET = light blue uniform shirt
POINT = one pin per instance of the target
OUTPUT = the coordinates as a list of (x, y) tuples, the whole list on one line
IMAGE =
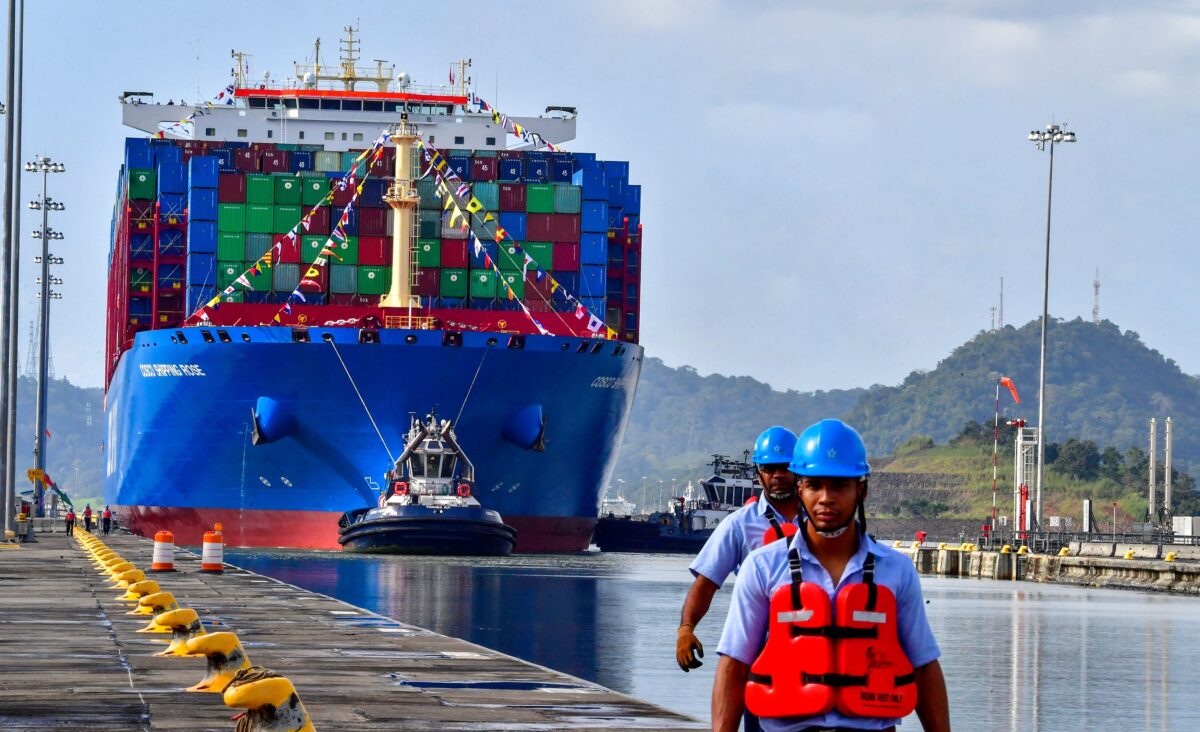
[(734, 538), (766, 570)]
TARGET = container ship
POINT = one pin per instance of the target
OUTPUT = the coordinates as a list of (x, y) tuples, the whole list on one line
[(270, 395)]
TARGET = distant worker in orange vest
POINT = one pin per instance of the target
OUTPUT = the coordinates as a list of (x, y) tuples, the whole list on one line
[(69, 520), (87, 517), (106, 520)]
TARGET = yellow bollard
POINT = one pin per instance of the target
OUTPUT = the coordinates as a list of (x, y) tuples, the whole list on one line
[(1006, 549), (184, 624), (270, 701), (1170, 557), (941, 546), (125, 579), (137, 590), (225, 658), (155, 605), (896, 544), (1023, 550), (1128, 554), (1064, 552), (119, 570)]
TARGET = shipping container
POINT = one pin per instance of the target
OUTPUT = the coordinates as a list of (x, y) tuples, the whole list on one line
[(285, 277), (429, 253), (374, 280), (343, 278), (314, 282), (376, 251), (141, 279), (142, 185), (257, 245), (260, 189), (511, 169), (566, 257), (313, 190), (201, 270), (170, 277), (460, 166), (141, 245), (260, 218), (202, 204), (231, 217), (483, 284), (567, 198), (591, 280), (197, 297), (231, 245), (515, 282), (289, 250), (457, 231), (616, 169), (542, 254), (512, 197), (567, 280), (430, 225), (455, 255), (287, 218), (479, 261), (247, 160), (483, 168), (514, 224), (171, 177), (593, 217), (231, 188), (171, 207), (346, 250), (287, 190), (564, 227), (616, 217), (372, 222), (328, 161), (348, 159), (536, 171), (616, 190), (300, 161), (454, 283), (561, 171), (488, 194), (511, 256), (593, 249), (227, 272), (276, 161), (632, 200), (539, 198), (591, 183), (202, 172), (138, 153), (172, 242), (427, 188), (202, 237), (374, 189), (311, 246), (429, 282), (318, 221)]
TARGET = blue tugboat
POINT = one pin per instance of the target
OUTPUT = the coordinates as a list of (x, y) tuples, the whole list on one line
[(428, 506)]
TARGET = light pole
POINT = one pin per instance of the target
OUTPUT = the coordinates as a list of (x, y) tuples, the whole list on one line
[(45, 204), (642, 503), (1049, 138)]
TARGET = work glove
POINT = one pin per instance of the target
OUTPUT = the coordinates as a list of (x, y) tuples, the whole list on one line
[(688, 649)]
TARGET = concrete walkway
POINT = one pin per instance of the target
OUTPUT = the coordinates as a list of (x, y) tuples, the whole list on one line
[(71, 658)]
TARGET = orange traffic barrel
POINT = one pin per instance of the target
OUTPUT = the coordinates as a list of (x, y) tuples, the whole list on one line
[(212, 558), (163, 559)]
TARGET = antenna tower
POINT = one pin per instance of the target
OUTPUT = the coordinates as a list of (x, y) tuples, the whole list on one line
[(1096, 298), (993, 309), (1001, 302)]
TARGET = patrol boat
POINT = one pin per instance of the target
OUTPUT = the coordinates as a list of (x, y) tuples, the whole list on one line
[(687, 524), (427, 506)]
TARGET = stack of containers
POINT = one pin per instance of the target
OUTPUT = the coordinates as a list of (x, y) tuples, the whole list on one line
[(170, 235), (203, 177)]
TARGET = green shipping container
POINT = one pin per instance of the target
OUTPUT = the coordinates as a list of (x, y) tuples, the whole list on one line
[(287, 190), (567, 198), (326, 161), (454, 282), (515, 282), (142, 185), (511, 257), (313, 190), (310, 246), (141, 280), (488, 194), (260, 218), (231, 217), (260, 282), (427, 187), (483, 154), (256, 246), (286, 217), (260, 189), (431, 225), (343, 279), (541, 252), (235, 296), (227, 272), (374, 280), (429, 252), (539, 198), (231, 245), (483, 283), (347, 251), (348, 159)]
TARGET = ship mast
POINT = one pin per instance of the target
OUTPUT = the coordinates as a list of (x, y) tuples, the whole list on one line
[(348, 75), (404, 200)]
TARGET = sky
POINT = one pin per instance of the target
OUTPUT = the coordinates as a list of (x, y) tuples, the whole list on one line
[(831, 191)]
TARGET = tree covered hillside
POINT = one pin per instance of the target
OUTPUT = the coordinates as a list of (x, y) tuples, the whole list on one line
[(74, 449), (1102, 385)]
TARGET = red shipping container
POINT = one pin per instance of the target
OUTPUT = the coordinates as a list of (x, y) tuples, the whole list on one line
[(537, 289), (372, 221), (509, 154), (454, 253), (512, 197), (185, 154), (321, 280), (483, 168), (566, 257), (139, 209), (386, 164), (539, 227), (231, 188), (247, 160), (429, 282), (563, 227), (289, 250), (262, 146), (341, 196), (275, 161), (319, 222), (374, 251)]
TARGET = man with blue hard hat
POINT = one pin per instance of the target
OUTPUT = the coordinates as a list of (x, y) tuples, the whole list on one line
[(772, 517), (828, 632)]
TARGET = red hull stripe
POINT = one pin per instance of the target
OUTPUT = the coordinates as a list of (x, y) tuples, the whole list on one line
[(346, 94), (318, 529)]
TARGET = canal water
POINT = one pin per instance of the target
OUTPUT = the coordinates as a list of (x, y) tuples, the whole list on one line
[(1017, 656)]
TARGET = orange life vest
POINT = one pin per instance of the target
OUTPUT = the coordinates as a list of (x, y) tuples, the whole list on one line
[(778, 530), (816, 659)]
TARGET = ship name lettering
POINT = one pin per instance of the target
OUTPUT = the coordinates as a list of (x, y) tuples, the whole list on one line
[(610, 382), (152, 370)]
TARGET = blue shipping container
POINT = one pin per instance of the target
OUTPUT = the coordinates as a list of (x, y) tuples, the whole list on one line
[(202, 237), (584, 158), (138, 154), (633, 199), (141, 246), (202, 171), (351, 226), (140, 307), (616, 189), (595, 305), (536, 171), (593, 248), (594, 217), (569, 281), (591, 280), (514, 224), (167, 153), (300, 160), (616, 217), (561, 171), (198, 297), (512, 170), (490, 248), (618, 169), (202, 204), (171, 205), (171, 242), (170, 276), (171, 178), (224, 157), (373, 191), (201, 271), (591, 180), (461, 166)]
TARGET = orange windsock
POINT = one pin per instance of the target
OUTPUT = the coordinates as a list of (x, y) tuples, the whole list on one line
[(1004, 380)]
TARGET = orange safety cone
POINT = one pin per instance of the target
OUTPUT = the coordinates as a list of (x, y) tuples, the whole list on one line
[(163, 559), (212, 559)]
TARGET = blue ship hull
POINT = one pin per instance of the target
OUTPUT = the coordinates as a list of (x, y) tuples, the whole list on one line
[(181, 453)]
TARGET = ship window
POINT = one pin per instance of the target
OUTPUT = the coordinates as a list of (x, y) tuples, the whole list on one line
[(270, 134), (246, 337), (182, 338), (448, 463), (369, 106), (416, 466), (243, 133), (596, 348), (434, 464), (224, 336), (301, 134), (343, 135), (432, 139), (256, 102), (491, 141), (352, 105), (459, 140), (328, 135), (207, 336), (310, 104), (331, 104), (289, 103), (358, 137), (210, 131)]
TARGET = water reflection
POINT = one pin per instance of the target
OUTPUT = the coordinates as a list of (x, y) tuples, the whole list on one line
[(1017, 656)]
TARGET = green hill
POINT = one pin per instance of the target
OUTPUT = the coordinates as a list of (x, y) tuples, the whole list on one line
[(75, 449)]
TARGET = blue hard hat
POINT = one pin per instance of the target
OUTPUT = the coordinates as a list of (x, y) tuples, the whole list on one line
[(775, 445), (830, 448)]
